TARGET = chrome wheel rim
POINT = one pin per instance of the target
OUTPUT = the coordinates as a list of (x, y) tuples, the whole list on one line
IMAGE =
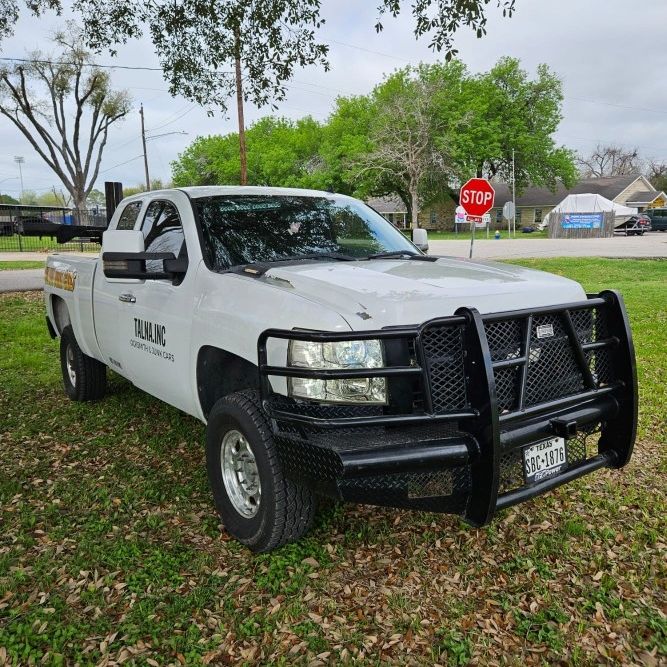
[(69, 361), (239, 474)]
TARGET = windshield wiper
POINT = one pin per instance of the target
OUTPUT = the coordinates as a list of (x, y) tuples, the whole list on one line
[(259, 268), (319, 255), (401, 254)]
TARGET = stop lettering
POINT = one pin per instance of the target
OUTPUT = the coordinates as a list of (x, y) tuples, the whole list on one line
[(477, 196)]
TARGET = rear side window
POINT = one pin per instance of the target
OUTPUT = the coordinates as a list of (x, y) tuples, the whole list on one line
[(163, 232), (129, 216)]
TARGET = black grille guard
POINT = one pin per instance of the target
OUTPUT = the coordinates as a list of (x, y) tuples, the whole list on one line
[(486, 430)]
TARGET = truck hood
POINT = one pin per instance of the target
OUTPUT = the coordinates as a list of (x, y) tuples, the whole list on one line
[(377, 293)]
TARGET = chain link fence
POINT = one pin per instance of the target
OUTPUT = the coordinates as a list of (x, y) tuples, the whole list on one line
[(33, 228)]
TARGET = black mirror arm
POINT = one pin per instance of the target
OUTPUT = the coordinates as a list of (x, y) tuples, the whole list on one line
[(176, 266), (133, 264)]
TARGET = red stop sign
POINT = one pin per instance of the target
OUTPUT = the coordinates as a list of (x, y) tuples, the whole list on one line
[(477, 196)]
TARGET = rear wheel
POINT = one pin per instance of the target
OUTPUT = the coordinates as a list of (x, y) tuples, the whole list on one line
[(258, 505), (84, 378)]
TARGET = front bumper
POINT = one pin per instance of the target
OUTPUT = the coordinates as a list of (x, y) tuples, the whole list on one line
[(467, 394)]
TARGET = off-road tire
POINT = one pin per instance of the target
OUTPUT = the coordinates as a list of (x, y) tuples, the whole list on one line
[(90, 383), (286, 508)]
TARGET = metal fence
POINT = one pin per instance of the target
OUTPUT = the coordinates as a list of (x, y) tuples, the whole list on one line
[(33, 228)]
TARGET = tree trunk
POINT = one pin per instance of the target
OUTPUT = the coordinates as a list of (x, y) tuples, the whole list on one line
[(78, 193), (239, 107)]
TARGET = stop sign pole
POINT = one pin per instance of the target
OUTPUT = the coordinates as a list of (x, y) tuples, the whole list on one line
[(476, 197)]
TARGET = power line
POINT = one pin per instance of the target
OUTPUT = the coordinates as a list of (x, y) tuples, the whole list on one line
[(120, 164), (169, 122), (618, 106), (101, 66), (377, 53)]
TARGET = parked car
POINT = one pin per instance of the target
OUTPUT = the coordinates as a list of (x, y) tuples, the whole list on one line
[(637, 225), (329, 356), (658, 218)]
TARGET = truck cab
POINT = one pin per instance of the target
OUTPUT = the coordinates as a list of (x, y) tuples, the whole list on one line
[(329, 356)]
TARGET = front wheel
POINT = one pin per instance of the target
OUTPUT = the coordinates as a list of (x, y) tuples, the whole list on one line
[(84, 378), (258, 505)]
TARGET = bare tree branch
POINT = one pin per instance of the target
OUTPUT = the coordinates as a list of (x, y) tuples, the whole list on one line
[(610, 161), (64, 89)]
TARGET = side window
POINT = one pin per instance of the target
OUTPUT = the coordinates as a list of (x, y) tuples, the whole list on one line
[(129, 216), (163, 232)]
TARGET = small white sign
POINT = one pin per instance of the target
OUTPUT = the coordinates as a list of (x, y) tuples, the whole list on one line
[(545, 330)]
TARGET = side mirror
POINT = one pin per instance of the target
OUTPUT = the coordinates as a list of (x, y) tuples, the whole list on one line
[(420, 239), (116, 240), (133, 265)]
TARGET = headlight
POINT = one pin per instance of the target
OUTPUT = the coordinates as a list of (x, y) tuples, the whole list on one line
[(343, 354)]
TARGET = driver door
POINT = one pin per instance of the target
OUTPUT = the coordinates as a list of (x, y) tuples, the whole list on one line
[(160, 313)]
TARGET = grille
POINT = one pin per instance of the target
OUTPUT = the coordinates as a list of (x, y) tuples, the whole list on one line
[(552, 368), (443, 350), (579, 448), (553, 371)]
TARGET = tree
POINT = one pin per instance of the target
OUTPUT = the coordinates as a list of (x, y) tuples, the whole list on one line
[(156, 184), (403, 157), (442, 18), (283, 153), (8, 199), (507, 118), (53, 198), (29, 198), (210, 50), (114, 23), (96, 198), (206, 46), (656, 172), (610, 160), (64, 108)]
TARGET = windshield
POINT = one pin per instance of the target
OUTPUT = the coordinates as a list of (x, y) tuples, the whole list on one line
[(244, 229)]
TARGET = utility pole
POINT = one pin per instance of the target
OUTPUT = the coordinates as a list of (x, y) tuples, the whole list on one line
[(239, 107), (19, 161), (513, 195), (143, 141)]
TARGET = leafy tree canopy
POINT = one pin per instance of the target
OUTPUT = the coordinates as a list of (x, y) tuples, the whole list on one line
[(198, 41), (280, 153), (501, 111), (418, 135)]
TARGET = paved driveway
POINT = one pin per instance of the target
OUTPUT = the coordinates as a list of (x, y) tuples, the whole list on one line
[(21, 281), (653, 244)]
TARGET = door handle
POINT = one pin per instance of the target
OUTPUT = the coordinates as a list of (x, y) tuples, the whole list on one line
[(127, 298)]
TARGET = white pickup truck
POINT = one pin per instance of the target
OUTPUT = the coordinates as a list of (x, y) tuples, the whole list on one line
[(329, 356)]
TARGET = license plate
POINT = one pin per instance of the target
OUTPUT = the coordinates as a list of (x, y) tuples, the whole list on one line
[(544, 459)]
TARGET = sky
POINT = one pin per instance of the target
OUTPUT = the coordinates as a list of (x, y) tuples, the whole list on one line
[(609, 54)]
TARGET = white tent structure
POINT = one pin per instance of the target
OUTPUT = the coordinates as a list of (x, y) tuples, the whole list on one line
[(590, 203)]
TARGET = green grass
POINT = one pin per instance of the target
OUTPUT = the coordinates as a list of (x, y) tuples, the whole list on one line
[(20, 264), (479, 234), (110, 546)]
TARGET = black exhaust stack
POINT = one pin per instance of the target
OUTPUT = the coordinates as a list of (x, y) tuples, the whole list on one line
[(113, 193)]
